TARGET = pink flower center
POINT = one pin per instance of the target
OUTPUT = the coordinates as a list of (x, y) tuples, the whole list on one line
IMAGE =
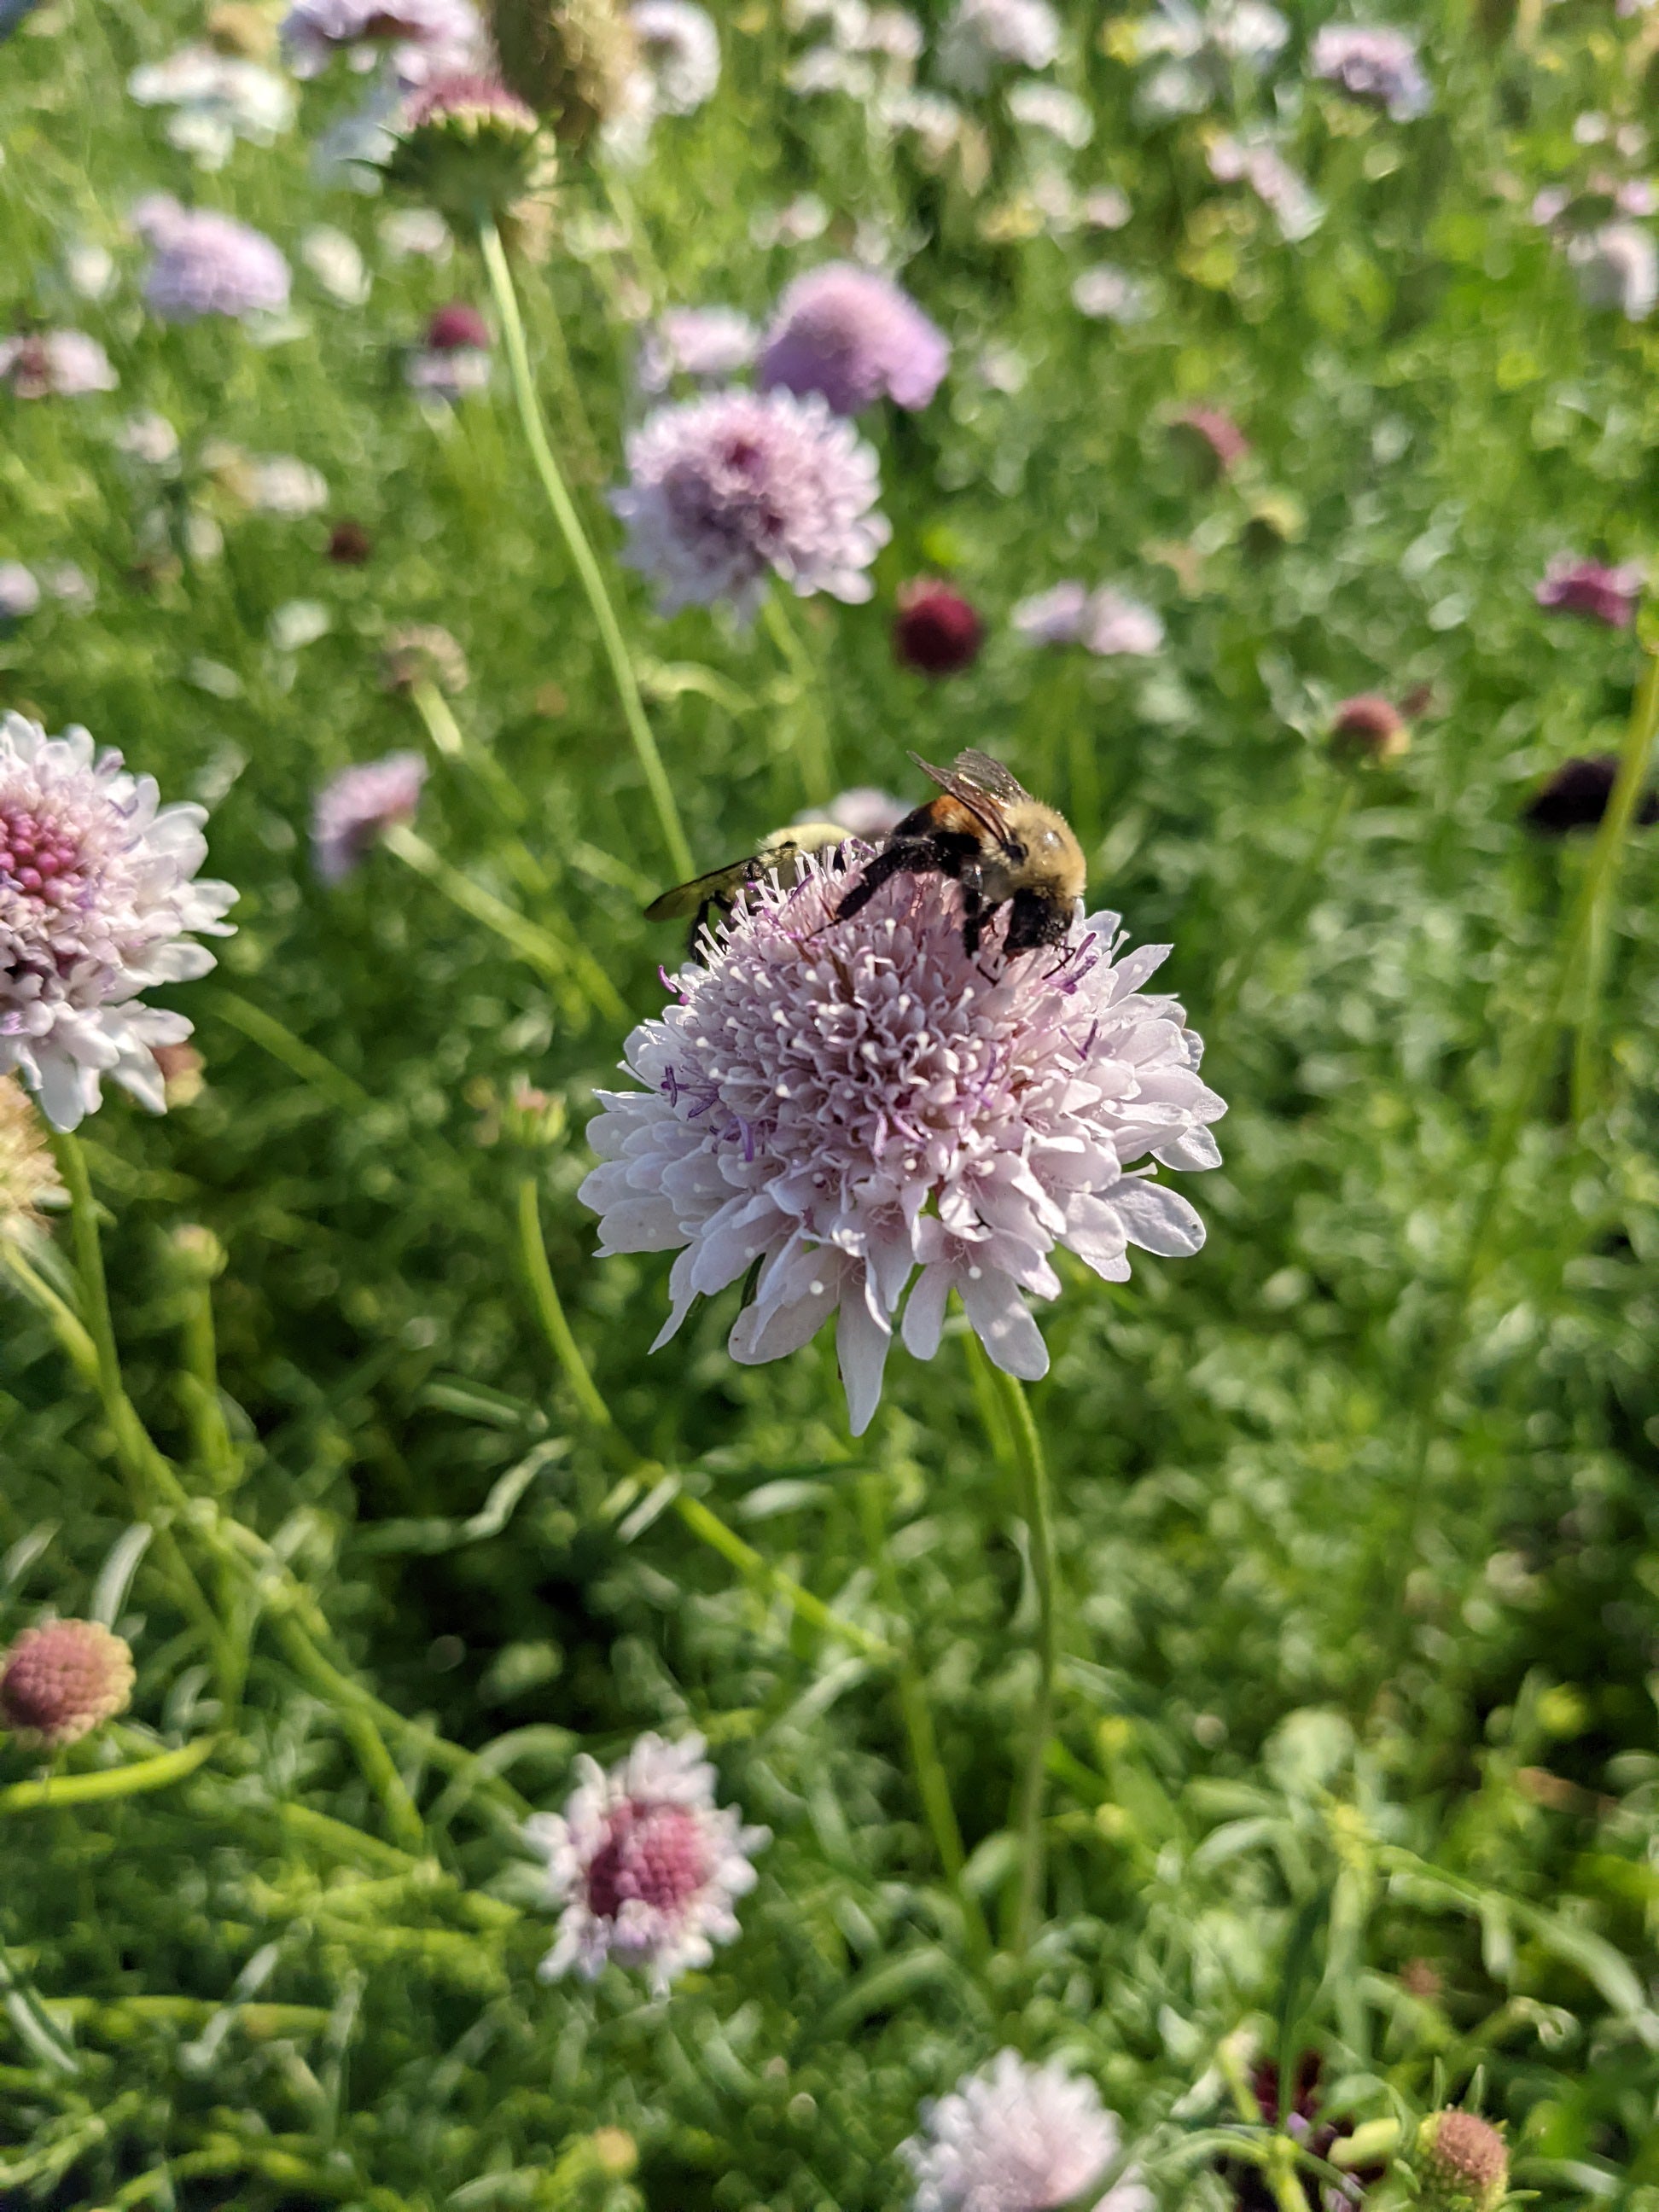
[(38, 855), (656, 1853)]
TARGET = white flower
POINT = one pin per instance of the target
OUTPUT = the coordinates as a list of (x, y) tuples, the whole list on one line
[(1055, 616), (836, 1102), (216, 100), (150, 437), (984, 35), (97, 900), (1018, 2138), (680, 51), (1616, 266), (1046, 108), (1294, 207), (334, 260), (1108, 293), (1115, 623), (645, 1863), (55, 364), (20, 591), (704, 342)]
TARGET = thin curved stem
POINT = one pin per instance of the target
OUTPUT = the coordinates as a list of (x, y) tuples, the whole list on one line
[(812, 753), (1285, 908), (581, 553), (1033, 1471)]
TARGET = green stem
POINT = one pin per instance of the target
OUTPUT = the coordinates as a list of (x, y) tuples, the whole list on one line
[(448, 742), (707, 1526), (1034, 1497), (97, 1789), (932, 1784), (550, 1312), (537, 946), (581, 553), (1287, 907), (812, 751), (294, 1054)]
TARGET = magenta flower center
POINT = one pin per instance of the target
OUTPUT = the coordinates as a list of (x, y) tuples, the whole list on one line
[(658, 1854), (38, 856)]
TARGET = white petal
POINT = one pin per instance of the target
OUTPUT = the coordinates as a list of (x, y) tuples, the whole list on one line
[(1157, 1219)]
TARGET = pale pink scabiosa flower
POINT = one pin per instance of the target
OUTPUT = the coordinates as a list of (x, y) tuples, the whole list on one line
[(727, 491), (423, 35), (1616, 266), (865, 811), (207, 264), (707, 343), (1374, 63), (1294, 207), (19, 592), (55, 365), (97, 902), (1055, 616), (1018, 2138), (839, 1103), (646, 1864), (355, 806), (1117, 624), (62, 1680), (1591, 589), (855, 337)]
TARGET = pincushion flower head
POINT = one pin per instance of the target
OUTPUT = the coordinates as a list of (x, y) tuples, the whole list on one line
[(62, 1680), (1019, 2138), (728, 491), (1374, 63), (855, 337), (423, 36), (1462, 2164), (208, 264), (354, 807), (936, 631), (97, 899), (466, 145), (645, 1863), (1592, 590), (834, 1106)]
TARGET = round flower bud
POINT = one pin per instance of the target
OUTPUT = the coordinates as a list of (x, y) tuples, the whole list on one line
[(467, 146), (1462, 2164), (422, 653), (457, 326), (63, 1680), (935, 630), (570, 59), (348, 543), (1370, 730)]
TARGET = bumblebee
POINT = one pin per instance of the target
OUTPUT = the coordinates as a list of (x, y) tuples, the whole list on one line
[(707, 897), (1003, 847)]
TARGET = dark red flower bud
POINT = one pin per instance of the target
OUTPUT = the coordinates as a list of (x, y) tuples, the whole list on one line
[(456, 326), (935, 629), (350, 543)]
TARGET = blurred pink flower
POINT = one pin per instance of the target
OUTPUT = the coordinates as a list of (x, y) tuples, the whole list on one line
[(1019, 2138), (55, 364), (1375, 63), (355, 806), (62, 1680), (207, 264), (855, 337), (1572, 586)]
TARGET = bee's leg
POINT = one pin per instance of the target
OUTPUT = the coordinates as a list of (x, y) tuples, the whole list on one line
[(898, 859)]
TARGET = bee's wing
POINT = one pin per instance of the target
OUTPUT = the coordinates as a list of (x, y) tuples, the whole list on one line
[(986, 775), (686, 898), (970, 792)]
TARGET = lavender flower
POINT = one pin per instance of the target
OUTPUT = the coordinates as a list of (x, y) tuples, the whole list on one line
[(96, 901), (705, 343), (207, 264), (1018, 2138), (1197, 52), (842, 1102), (985, 35), (215, 99), (62, 1680), (423, 35), (1055, 616), (727, 490), (1374, 63), (56, 365), (855, 337), (1571, 585), (680, 49), (645, 1863), (355, 806)]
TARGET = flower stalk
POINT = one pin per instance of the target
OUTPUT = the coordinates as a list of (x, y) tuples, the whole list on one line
[(581, 553), (814, 754), (1032, 1468)]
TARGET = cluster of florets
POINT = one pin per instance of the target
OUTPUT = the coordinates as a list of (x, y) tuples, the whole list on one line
[(208, 264), (1374, 63), (62, 1680), (97, 899), (466, 145), (355, 808), (1462, 2164), (834, 1106), (855, 337), (1019, 2138), (725, 493), (423, 36), (214, 99), (644, 1864), (1593, 590)]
